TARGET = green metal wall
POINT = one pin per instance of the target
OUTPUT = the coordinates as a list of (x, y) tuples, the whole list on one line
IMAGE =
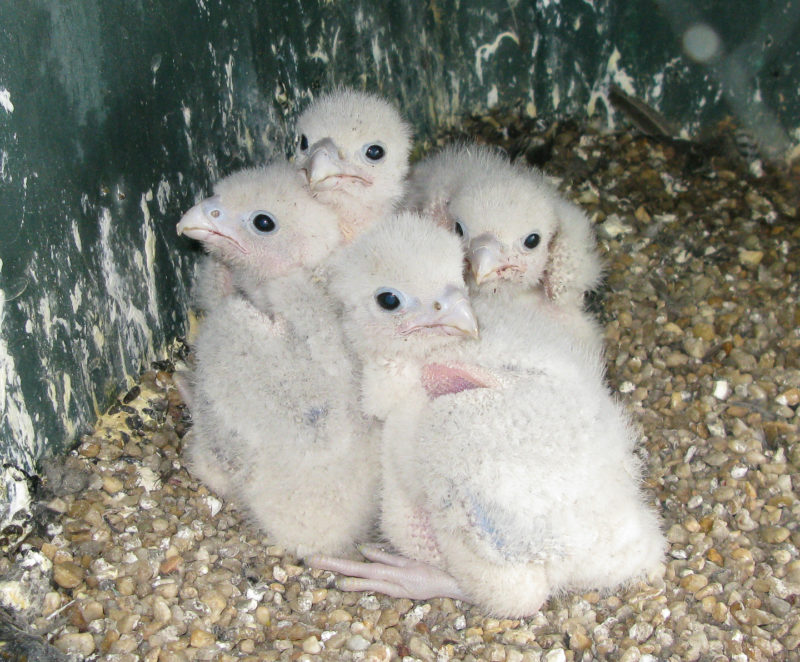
[(116, 116)]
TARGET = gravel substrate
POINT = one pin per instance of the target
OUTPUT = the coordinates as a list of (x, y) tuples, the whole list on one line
[(134, 560)]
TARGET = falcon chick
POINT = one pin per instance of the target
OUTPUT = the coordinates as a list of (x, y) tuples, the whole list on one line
[(508, 470), (352, 147), (276, 422), (524, 241)]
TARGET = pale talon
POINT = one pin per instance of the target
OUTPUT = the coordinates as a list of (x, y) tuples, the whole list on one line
[(391, 574)]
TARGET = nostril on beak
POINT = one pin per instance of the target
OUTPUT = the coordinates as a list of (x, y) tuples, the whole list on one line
[(215, 213), (437, 305)]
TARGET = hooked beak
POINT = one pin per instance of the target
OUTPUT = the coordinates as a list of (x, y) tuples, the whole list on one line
[(450, 314), (203, 222), (486, 257), (325, 168)]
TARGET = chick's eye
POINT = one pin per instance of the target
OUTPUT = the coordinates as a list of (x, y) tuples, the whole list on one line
[(375, 152), (532, 240), (303, 143), (459, 229), (263, 222), (388, 300)]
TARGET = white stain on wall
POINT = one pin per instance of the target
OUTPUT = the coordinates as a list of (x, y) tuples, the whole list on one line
[(149, 238), (5, 100), (124, 314), (13, 413), (377, 52), (66, 391), (617, 74), (319, 54), (492, 97), (555, 95), (485, 51), (658, 86), (614, 73), (76, 236), (75, 298), (163, 193), (46, 317), (98, 337)]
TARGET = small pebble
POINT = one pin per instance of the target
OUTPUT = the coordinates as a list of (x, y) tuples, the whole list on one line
[(112, 484), (790, 397), (52, 601), (339, 615), (775, 534), (201, 639), (555, 655), (92, 611), (126, 585), (68, 574), (694, 582), (580, 642), (378, 653), (77, 644), (263, 616), (612, 227), (420, 649), (357, 643), (312, 645), (336, 640), (750, 258), (170, 565)]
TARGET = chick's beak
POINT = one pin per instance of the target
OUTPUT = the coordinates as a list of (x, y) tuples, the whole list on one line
[(486, 257), (323, 162), (326, 168), (204, 223), (450, 314)]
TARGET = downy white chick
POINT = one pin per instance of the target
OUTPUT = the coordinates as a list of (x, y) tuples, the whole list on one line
[(434, 180), (353, 148), (277, 427), (524, 241), (238, 229), (508, 469)]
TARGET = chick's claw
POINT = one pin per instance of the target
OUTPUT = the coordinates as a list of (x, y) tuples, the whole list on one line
[(391, 574)]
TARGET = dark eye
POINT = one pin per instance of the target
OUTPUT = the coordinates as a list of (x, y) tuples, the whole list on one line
[(375, 152), (303, 143), (387, 300), (459, 229), (532, 240), (264, 222)]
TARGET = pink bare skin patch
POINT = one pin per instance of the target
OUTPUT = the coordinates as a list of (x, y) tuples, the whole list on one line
[(440, 379)]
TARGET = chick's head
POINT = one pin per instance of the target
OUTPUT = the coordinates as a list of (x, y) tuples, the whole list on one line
[(352, 147), (402, 289), (262, 223), (507, 226)]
